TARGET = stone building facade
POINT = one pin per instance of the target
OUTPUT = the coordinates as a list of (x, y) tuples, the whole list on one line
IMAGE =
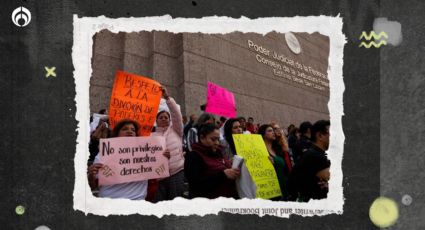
[(269, 81)]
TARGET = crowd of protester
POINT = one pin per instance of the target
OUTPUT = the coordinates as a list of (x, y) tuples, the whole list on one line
[(201, 150)]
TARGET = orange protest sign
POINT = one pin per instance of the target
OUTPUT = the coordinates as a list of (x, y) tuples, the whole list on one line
[(134, 97)]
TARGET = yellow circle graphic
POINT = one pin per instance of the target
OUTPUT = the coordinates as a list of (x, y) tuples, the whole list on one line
[(383, 212), (20, 210)]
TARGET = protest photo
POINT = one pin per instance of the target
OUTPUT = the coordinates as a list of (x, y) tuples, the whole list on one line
[(184, 116), (237, 115)]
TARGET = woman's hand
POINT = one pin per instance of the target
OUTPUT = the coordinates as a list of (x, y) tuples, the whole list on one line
[(167, 154), (93, 169), (323, 175), (232, 174), (323, 184), (271, 160), (92, 172), (101, 131), (164, 93)]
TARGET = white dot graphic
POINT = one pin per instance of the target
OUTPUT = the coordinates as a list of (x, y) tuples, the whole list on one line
[(406, 200), (42, 227)]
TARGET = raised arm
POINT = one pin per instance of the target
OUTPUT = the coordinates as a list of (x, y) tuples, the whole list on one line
[(176, 115)]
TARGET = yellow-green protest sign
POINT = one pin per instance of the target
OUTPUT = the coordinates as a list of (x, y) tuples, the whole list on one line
[(256, 157)]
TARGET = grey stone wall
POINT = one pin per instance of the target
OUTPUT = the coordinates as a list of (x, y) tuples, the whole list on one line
[(184, 63)]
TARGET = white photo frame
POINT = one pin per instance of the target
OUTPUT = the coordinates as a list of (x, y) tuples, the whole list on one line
[(86, 27)]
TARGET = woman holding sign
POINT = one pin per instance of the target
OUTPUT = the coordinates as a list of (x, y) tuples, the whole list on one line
[(232, 126), (132, 190), (244, 184), (208, 172), (169, 125), (277, 157)]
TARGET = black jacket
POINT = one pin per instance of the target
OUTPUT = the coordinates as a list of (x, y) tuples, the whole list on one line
[(301, 147), (303, 180)]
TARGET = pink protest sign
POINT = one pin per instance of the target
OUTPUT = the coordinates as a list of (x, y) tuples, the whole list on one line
[(220, 101), (128, 159)]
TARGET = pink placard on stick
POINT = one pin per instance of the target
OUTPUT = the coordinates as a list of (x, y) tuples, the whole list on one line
[(220, 101), (128, 159)]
